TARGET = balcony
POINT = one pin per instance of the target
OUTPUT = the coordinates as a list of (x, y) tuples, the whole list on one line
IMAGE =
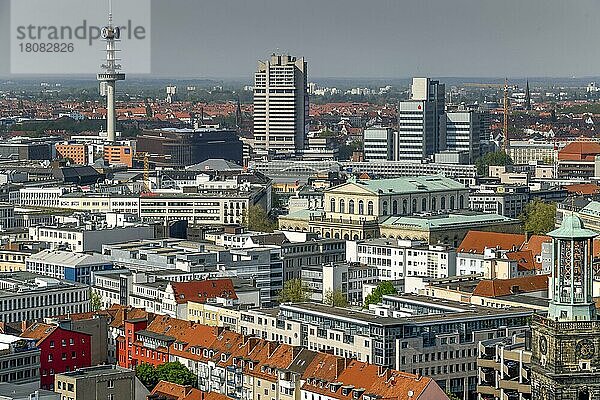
[(488, 390), (488, 376), (511, 369), (510, 395), (486, 363)]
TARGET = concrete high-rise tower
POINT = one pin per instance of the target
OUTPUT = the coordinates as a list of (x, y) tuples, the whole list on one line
[(421, 121), (280, 105), (110, 76)]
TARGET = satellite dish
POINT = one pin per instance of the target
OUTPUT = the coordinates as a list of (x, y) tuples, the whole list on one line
[(117, 32)]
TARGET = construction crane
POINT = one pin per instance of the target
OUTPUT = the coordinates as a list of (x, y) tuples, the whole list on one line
[(146, 174), (505, 127), (144, 157)]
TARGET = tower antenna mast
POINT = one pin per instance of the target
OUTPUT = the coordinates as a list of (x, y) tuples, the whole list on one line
[(505, 127)]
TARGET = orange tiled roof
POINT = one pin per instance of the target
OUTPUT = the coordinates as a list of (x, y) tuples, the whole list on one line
[(200, 291), (371, 379), (525, 260), (503, 287), (478, 241), (535, 244), (579, 151), (180, 392), (583, 188), (39, 331)]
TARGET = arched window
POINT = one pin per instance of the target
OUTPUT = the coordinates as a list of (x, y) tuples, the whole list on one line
[(461, 201), (361, 207), (452, 202), (385, 208), (342, 206), (370, 208), (395, 207), (404, 207), (332, 203), (443, 203), (423, 204), (414, 206), (433, 204), (351, 207)]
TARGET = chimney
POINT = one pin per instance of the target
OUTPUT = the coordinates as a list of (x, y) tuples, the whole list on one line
[(2, 327), (381, 370), (24, 325)]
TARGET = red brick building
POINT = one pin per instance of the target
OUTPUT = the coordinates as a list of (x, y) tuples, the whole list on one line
[(61, 350)]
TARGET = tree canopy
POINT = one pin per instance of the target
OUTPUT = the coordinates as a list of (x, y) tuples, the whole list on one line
[(294, 291), (95, 301), (173, 372), (335, 298), (539, 217), (495, 158), (257, 219), (385, 287)]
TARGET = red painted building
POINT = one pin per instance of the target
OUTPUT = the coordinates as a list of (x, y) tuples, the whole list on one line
[(61, 350), (139, 346)]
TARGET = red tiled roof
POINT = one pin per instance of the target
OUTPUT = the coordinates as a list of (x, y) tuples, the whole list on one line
[(200, 291), (583, 188), (525, 260), (374, 380), (503, 287), (579, 151), (535, 244), (180, 392), (39, 331), (478, 241)]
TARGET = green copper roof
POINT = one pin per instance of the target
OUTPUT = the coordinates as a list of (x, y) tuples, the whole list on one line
[(572, 228), (417, 184)]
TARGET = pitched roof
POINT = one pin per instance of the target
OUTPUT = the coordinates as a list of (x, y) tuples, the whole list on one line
[(370, 379), (525, 260), (583, 188), (478, 241), (201, 291), (535, 244), (504, 287), (39, 331), (579, 151), (173, 391)]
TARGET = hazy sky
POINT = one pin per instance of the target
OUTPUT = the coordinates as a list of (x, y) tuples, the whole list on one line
[(374, 38)]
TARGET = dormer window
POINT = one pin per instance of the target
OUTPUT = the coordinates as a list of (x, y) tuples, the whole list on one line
[(251, 365), (223, 357)]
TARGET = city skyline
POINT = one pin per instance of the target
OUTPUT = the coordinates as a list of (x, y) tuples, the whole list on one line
[(341, 39)]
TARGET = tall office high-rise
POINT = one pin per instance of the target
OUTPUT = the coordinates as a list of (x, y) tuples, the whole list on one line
[(463, 132), (280, 105), (421, 121)]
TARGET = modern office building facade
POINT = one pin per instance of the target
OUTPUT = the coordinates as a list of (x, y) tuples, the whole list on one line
[(421, 121), (463, 132), (280, 104), (378, 144)]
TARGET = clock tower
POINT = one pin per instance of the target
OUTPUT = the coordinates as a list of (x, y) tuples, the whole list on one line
[(565, 361)]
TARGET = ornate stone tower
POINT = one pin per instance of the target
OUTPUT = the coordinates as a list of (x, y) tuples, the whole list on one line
[(565, 362)]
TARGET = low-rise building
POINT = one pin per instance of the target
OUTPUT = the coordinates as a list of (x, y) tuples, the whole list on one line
[(25, 296), (61, 350), (75, 267), (85, 238), (19, 359), (100, 382), (397, 258)]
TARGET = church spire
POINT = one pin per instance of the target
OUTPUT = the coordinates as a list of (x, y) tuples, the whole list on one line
[(527, 96)]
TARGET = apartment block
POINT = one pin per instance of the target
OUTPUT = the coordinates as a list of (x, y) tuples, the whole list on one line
[(25, 296), (118, 155), (100, 382), (19, 359), (77, 153)]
